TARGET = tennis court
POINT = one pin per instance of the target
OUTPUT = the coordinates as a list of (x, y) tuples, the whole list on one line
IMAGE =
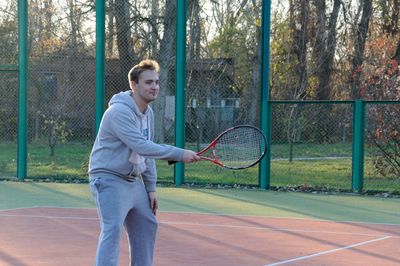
[(56, 224)]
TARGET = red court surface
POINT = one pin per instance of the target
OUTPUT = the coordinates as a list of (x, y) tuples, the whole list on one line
[(62, 236)]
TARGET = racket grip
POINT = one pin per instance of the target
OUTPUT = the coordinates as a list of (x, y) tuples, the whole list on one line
[(172, 162)]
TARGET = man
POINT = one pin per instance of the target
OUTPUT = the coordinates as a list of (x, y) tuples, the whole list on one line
[(122, 171)]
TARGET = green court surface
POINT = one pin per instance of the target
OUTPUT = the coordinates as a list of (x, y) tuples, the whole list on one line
[(334, 207)]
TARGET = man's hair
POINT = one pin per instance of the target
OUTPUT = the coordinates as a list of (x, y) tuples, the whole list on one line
[(146, 64)]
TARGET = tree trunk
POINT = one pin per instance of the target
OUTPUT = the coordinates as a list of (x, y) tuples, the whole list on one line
[(325, 47), (166, 59), (390, 22), (359, 47), (122, 18), (299, 25), (155, 11), (110, 26), (194, 29)]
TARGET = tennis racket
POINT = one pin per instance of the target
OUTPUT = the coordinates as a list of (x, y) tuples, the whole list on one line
[(238, 147)]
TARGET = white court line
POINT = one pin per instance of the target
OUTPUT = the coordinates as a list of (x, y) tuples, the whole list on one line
[(48, 207), (221, 214), (278, 217), (45, 216), (328, 251), (20, 208), (48, 217), (273, 229)]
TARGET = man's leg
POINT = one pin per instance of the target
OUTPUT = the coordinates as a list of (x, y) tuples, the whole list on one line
[(112, 207), (141, 226)]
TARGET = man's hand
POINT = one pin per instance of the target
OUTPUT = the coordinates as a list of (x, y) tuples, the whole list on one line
[(190, 157), (153, 202)]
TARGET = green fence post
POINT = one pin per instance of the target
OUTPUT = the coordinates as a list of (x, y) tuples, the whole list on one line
[(358, 145), (180, 68), (23, 88), (265, 165), (100, 60)]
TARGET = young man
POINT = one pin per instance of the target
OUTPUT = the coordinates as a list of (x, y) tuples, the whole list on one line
[(122, 170)]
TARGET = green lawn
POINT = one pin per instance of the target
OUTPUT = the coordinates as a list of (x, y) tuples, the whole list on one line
[(313, 165)]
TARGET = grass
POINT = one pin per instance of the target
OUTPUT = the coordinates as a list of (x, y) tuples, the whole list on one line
[(312, 166), (311, 150), (329, 173)]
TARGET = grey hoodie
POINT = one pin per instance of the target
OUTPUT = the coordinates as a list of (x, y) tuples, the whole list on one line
[(119, 134)]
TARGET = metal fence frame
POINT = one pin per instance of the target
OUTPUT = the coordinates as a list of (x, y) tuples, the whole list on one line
[(100, 87), (358, 106)]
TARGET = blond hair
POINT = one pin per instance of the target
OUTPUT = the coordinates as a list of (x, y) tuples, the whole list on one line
[(143, 65)]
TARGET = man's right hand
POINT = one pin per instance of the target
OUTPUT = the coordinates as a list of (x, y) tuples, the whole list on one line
[(190, 156)]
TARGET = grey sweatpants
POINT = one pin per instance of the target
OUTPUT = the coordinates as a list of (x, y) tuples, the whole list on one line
[(120, 202)]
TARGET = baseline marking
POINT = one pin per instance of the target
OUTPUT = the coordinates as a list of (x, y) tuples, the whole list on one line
[(328, 251), (222, 214), (48, 217), (273, 229)]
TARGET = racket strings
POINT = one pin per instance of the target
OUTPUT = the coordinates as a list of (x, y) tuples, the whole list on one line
[(240, 147)]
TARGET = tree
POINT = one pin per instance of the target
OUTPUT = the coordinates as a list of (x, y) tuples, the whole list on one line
[(166, 58), (390, 16), (194, 11), (124, 35), (299, 19), (381, 81), (325, 46), (8, 81), (238, 38), (9, 34), (361, 32), (282, 76), (57, 131)]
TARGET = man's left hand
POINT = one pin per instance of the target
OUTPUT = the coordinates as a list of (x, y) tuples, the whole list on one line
[(153, 202)]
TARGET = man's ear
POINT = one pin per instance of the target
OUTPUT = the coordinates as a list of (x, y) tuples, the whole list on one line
[(132, 84)]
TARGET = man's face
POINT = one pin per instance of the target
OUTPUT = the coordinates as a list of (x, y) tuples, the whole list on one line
[(147, 87)]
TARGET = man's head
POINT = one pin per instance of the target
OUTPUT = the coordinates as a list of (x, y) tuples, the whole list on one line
[(143, 80)]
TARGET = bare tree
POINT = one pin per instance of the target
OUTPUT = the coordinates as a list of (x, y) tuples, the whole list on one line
[(166, 58), (325, 46), (359, 47), (155, 11), (390, 16), (124, 35), (110, 29), (299, 19), (194, 29)]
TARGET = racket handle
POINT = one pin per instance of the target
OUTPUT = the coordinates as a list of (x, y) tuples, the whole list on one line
[(172, 162)]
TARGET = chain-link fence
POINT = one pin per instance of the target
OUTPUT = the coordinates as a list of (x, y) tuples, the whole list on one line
[(8, 93), (382, 147), (223, 83), (311, 144), (8, 123), (61, 90), (61, 111)]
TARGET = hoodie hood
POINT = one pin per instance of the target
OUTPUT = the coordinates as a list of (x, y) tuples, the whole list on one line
[(125, 98)]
